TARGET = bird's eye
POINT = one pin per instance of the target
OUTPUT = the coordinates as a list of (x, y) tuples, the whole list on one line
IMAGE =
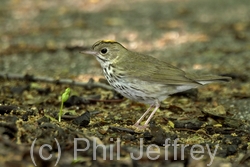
[(104, 50)]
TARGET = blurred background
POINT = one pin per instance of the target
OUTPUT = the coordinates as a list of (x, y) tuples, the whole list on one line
[(44, 38)]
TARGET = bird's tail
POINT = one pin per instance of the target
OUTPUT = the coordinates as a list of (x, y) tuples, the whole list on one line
[(206, 79)]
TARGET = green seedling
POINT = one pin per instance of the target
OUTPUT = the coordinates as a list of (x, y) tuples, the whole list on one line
[(65, 97)]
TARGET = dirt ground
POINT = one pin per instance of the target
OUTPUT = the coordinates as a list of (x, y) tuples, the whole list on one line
[(39, 58)]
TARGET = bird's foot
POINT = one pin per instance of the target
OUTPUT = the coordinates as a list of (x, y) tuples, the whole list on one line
[(141, 127)]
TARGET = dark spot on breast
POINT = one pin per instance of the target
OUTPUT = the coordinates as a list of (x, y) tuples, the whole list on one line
[(105, 71), (112, 81), (139, 97), (124, 87), (110, 66), (135, 88), (119, 76)]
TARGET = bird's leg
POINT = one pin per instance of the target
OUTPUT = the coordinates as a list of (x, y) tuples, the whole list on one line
[(157, 105), (137, 124)]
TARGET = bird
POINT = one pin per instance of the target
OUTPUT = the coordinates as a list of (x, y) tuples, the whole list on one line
[(143, 78)]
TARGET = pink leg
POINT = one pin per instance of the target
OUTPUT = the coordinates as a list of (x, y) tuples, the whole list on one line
[(139, 120), (157, 105)]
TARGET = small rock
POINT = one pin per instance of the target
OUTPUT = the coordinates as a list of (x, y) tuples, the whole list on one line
[(189, 124), (7, 109), (82, 120), (231, 149), (128, 137), (147, 135), (220, 110), (103, 130), (42, 120), (75, 100)]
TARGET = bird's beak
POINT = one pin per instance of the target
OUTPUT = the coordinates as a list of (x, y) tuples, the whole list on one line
[(89, 52)]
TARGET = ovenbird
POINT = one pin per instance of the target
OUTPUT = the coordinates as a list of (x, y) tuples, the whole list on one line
[(144, 78)]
